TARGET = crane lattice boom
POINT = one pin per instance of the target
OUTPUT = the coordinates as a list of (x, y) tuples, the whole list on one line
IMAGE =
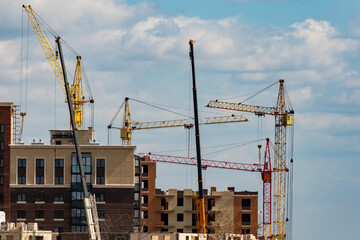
[(204, 162), (259, 110)]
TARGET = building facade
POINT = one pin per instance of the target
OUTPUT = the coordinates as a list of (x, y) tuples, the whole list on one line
[(7, 111), (175, 211), (46, 188)]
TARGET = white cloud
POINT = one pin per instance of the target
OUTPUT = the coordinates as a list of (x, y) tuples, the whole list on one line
[(330, 122)]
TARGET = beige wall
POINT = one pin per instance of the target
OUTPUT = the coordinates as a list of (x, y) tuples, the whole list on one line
[(119, 162)]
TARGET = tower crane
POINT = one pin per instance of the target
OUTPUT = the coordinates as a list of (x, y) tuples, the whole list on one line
[(129, 126), (283, 119), (263, 168), (76, 89)]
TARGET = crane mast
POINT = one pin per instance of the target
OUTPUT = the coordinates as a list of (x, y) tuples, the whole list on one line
[(89, 201), (197, 140), (76, 89), (283, 118)]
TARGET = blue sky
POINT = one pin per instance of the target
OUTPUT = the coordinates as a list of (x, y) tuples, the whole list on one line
[(139, 49)]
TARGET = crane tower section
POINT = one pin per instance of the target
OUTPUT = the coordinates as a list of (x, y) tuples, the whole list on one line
[(283, 118)]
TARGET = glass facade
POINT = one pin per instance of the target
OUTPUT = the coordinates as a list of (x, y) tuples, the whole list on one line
[(78, 217)]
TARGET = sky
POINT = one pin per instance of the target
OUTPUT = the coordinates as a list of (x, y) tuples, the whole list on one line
[(139, 49)]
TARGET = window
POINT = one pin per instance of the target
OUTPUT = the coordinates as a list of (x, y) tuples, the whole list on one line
[(58, 229), (144, 200), (100, 197), (101, 214), (245, 203), (1, 162), (58, 214), (39, 214), (39, 163), (1, 180), (100, 163), (245, 231), (100, 171), (145, 229), (1, 145), (2, 128), (245, 219), (211, 217), (39, 179), (145, 170), (21, 214), (144, 185), (179, 230), (59, 180), (39, 197), (100, 180), (180, 201), (21, 162), (180, 217), (59, 197), (144, 214), (211, 203), (21, 197), (59, 163), (21, 180)]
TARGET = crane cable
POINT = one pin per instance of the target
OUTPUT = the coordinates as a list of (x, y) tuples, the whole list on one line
[(290, 189), (253, 94), (164, 109)]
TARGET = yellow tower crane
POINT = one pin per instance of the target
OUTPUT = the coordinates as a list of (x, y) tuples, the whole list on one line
[(77, 96), (283, 118), (129, 126)]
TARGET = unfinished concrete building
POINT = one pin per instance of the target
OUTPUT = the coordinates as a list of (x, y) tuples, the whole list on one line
[(174, 211)]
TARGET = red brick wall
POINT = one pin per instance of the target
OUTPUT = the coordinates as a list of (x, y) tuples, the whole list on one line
[(6, 113)]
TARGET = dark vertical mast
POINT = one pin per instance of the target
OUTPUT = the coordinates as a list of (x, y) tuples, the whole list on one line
[(197, 138)]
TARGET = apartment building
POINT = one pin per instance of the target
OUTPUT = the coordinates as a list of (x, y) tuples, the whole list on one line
[(174, 210), (45, 183)]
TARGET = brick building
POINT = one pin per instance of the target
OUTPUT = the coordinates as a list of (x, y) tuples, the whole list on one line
[(7, 110), (174, 211), (45, 184)]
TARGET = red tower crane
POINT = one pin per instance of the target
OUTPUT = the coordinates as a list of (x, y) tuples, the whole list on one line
[(265, 170)]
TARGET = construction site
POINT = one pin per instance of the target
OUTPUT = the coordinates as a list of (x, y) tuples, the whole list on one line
[(73, 187)]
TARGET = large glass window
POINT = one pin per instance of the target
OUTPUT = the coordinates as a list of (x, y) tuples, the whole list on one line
[(39, 163), (21, 162), (21, 179), (59, 163), (39, 179)]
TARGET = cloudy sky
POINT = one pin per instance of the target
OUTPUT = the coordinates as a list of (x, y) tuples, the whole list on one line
[(139, 49)]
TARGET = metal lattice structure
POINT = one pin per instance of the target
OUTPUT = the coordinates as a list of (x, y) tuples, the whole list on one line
[(78, 99), (129, 126), (265, 170), (283, 118)]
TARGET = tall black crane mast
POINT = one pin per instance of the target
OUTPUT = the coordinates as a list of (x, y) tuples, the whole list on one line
[(89, 200), (197, 139)]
